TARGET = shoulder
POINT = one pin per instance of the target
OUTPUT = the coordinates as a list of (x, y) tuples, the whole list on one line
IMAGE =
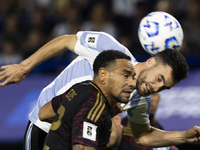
[(99, 40)]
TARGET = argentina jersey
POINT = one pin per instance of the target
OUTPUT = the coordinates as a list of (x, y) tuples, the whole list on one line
[(88, 46)]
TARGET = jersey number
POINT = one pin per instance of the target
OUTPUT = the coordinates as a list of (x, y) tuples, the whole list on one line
[(56, 125)]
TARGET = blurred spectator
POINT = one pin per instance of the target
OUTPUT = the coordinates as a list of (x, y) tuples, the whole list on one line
[(71, 23), (166, 6), (100, 20), (142, 9), (123, 8), (125, 39), (9, 54), (38, 19), (33, 41), (60, 8), (191, 27), (11, 30)]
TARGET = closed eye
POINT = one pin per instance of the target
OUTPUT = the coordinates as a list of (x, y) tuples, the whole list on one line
[(126, 76), (159, 79)]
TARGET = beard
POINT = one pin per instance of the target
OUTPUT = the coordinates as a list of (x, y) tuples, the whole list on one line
[(141, 79), (138, 88)]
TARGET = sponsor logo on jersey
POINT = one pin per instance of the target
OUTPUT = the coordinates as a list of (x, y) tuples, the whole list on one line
[(91, 40), (70, 95), (89, 131)]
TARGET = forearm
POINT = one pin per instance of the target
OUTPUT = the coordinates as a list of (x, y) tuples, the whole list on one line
[(147, 136), (82, 147), (160, 138), (49, 50)]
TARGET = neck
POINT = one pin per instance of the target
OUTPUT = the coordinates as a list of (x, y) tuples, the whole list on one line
[(110, 100)]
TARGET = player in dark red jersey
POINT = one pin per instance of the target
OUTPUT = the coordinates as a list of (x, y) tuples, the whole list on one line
[(83, 118)]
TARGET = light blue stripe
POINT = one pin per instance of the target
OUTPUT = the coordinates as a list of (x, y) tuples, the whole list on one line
[(78, 69), (28, 137)]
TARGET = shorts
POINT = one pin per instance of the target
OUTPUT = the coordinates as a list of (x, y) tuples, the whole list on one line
[(34, 137)]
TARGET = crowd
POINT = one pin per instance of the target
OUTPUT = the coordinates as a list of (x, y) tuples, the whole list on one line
[(26, 25)]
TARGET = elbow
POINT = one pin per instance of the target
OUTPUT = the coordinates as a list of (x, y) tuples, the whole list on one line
[(138, 141)]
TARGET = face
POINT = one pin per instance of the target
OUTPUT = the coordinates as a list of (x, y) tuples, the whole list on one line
[(154, 79), (121, 80)]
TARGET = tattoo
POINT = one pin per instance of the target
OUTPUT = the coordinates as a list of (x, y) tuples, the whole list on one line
[(82, 147)]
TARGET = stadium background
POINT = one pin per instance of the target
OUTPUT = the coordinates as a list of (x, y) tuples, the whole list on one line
[(26, 25)]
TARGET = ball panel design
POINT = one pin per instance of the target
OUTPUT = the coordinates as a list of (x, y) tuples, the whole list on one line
[(159, 31)]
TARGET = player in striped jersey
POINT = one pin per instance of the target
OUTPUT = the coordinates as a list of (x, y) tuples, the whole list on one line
[(83, 118), (155, 74)]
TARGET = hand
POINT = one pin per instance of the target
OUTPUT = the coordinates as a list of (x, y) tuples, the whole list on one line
[(193, 135), (12, 74), (116, 109)]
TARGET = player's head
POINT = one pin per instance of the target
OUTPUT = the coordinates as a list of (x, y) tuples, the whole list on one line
[(115, 73), (162, 71)]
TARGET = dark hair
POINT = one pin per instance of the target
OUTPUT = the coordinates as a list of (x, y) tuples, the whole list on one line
[(175, 60), (107, 57)]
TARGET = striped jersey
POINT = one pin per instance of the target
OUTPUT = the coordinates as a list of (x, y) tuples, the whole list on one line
[(88, 46), (83, 117)]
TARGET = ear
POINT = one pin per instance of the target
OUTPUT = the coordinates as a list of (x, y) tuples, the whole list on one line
[(102, 75), (150, 62)]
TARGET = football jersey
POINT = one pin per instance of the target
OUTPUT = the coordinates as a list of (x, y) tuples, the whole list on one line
[(83, 117), (88, 46)]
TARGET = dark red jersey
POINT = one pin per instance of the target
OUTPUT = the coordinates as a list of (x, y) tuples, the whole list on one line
[(83, 117)]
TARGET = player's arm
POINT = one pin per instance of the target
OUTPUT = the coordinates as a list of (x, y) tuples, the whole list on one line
[(47, 113), (82, 147), (147, 136), (15, 73)]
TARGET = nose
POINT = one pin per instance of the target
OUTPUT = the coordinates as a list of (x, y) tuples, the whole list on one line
[(132, 83)]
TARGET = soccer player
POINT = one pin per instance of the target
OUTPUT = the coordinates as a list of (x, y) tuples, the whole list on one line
[(155, 74), (83, 120)]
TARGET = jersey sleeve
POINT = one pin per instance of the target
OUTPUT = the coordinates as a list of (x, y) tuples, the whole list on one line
[(138, 111), (56, 101), (91, 126), (90, 44)]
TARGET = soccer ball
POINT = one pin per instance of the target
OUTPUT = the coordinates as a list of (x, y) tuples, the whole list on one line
[(159, 31)]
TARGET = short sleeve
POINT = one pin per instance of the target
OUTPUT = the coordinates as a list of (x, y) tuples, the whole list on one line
[(90, 44), (139, 109), (56, 101)]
